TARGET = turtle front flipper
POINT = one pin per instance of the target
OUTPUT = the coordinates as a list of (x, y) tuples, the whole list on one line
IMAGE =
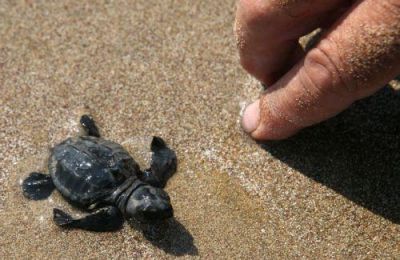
[(102, 220), (89, 125), (37, 186), (163, 164)]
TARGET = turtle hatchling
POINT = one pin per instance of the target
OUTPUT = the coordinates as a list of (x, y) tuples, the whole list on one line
[(100, 177)]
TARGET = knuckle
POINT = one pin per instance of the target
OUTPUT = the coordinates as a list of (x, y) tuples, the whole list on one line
[(323, 70)]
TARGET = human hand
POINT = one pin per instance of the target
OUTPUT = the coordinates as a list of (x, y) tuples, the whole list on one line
[(358, 54)]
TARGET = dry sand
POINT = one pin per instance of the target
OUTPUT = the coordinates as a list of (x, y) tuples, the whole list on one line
[(170, 68)]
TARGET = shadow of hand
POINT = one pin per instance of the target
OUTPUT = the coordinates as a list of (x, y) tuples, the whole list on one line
[(357, 153)]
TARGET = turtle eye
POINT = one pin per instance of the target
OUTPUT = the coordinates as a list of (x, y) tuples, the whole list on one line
[(148, 194), (145, 193)]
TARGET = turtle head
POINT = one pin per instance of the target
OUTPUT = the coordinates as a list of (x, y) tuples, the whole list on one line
[(149, 204)]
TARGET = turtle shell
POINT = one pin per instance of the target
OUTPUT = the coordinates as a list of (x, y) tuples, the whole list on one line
[(87, 170)]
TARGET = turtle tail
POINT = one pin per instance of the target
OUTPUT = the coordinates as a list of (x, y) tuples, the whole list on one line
[(62, 219)]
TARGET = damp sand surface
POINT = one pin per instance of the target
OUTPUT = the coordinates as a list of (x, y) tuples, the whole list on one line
[(170, 68)]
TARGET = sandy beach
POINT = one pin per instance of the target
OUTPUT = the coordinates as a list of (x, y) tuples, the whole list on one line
[(170, 68)]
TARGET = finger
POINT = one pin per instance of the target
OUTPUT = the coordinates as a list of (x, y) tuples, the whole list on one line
[(267, 32), (355, 58)]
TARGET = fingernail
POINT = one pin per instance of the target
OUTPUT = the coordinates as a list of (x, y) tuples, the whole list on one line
[(251, 117)]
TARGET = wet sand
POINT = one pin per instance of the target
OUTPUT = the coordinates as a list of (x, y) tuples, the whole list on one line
[(170, 68)]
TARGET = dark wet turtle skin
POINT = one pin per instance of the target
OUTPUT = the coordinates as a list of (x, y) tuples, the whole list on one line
[(101, 177), (87, 169)]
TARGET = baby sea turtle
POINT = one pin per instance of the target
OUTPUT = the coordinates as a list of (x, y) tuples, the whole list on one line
[(100, 176)]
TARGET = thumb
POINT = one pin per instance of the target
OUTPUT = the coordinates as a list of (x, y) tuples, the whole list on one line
[(354, 59)]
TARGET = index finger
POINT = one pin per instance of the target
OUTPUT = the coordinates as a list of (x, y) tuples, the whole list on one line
[(267, 32)]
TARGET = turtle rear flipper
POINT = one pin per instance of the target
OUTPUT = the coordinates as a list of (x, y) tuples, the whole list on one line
[(102, 220), (37, 186), (163, 164), (62, 219)]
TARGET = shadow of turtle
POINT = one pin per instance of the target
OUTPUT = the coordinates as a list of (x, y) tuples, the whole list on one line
[(170, 236), (357, 153)]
